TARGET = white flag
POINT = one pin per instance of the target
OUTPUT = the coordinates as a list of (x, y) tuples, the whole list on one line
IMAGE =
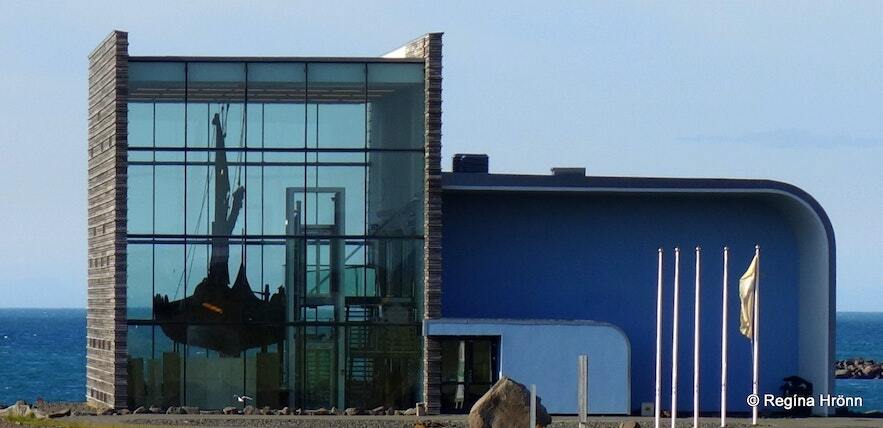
[(747, 285)]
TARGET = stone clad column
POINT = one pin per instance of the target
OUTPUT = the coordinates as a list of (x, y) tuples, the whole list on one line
[(429, 47), (106, 353)]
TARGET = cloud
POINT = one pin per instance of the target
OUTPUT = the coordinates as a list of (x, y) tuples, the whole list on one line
[(788, 138)]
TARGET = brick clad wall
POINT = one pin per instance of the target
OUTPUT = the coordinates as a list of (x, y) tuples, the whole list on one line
[(429, 47), (106, 290)]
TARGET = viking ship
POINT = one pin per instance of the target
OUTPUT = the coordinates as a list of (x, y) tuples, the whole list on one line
[(216, 316)]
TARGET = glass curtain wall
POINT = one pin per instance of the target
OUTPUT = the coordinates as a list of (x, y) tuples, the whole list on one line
[(275, 233)]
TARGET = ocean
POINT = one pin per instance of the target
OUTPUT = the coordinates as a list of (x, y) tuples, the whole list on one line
[(43, 355)]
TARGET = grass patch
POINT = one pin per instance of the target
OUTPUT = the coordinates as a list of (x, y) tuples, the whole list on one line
[(65, 423)]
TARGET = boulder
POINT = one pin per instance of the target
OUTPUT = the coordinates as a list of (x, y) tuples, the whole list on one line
[(320, 412), (18, 409), (190, 410), (410, 412), (390, 411), (377, 410), (506, 404), (266, 410), (351, 411), (139, 410), (230, 410), (333, 410), (248, 410), (173, 410), (124, 411), (285, 411), (60, 413), (106, 412), (154, 409), (39, 414)]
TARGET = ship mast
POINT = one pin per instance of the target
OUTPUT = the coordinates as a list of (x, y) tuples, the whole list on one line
[(225, 215)]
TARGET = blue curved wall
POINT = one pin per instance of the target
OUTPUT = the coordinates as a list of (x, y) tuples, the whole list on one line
[(592, 256)]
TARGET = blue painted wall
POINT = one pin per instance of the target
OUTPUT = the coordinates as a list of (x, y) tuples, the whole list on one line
[(592, 256)]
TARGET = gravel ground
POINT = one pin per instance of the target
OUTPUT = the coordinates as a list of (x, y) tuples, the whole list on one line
[(454, 421), (222, 421)]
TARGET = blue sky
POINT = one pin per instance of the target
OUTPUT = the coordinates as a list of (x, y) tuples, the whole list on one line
[(738, 89)]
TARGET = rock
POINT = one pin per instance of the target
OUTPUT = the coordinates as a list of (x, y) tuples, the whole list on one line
[(266, 411), (506, 404), (39, 414), (19, 409), (139, 410), (124, 412), (377, 410), (106, 412), (333, 410), (248, 410), (230, 410), (320, 412), (60, 413), (154, 409), (390, 411), (412, 411), (398, 413), (629, 424), (285, 411), (351, 411), (189, 410), (173, 410)]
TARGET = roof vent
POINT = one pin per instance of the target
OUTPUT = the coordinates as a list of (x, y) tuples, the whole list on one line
[(569, 172), (464, 162)]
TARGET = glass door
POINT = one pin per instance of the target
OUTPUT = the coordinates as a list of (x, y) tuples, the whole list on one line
[(469, 368)]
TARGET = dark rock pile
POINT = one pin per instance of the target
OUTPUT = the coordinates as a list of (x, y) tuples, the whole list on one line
[(858, 368)]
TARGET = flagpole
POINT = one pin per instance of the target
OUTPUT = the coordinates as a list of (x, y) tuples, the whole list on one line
[(696, 319), (674, 340), (724, 340), (658, 403), (756, 340)]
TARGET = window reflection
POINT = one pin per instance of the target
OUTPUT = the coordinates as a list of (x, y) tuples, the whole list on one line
[(275, 233)]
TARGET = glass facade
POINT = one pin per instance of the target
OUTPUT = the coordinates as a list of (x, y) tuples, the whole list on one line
[(275, 233)]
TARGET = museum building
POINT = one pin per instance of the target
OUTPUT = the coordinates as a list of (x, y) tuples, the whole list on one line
[(280, 228)]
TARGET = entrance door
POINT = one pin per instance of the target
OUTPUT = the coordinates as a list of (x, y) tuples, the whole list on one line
[(469, 368)]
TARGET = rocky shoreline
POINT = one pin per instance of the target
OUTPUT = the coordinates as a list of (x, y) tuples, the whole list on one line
[(858, 368)]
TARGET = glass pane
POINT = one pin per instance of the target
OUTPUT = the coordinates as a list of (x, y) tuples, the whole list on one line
[(140, 199), (254, 200), (169, 199), (199, 128), (155, 368), (283, 201), (156, 81), (216, 82), (140, 128), (200, 196), (168, 284), (397, 266), (139, 281), (336, 116), (212, 379), (169, 124), (335, 200), (395, 194), (395, 106)]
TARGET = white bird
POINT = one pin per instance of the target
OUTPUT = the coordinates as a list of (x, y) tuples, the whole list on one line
[(242, 398)]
